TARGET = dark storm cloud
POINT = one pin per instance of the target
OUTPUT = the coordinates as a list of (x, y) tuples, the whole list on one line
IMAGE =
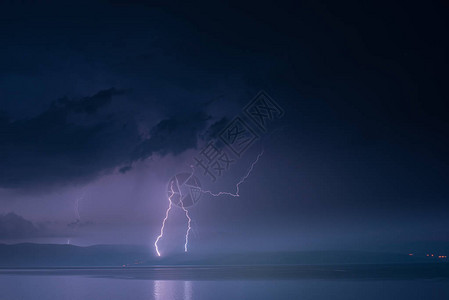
[(125, 169), (77, 140), (69, 140), (15, 226), (215, 128), (89, 105), (173, 135)]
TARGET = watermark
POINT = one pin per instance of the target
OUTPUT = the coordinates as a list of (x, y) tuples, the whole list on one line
[(238, 136), (242, 132), (184, 190), (213, 161), (262, 110)]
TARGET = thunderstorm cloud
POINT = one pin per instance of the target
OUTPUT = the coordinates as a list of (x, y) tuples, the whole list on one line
[(77, 140)]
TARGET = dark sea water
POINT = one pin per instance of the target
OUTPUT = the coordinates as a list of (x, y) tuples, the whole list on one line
[(226, 283)]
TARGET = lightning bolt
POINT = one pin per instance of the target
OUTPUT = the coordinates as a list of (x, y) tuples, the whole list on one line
[(189, 227), (77, 213), (237, 187), (77, 206), (186, 212), (165, 219)]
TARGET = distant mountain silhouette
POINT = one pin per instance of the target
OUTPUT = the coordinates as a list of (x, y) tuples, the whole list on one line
[(56, 255)]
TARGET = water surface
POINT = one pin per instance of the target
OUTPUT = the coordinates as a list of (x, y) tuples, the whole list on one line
[(193, 283)]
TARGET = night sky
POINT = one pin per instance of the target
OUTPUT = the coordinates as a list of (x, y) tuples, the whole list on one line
[(102, 103)]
